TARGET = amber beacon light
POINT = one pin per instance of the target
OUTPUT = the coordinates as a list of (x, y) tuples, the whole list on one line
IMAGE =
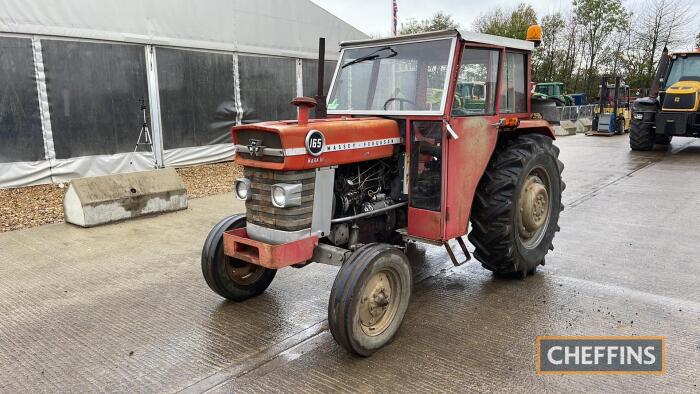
[(534, 34)]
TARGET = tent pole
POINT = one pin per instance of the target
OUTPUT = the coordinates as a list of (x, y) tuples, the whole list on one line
[(154, 105)]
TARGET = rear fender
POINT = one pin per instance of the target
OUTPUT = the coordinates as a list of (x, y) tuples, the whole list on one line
[(536, 126)]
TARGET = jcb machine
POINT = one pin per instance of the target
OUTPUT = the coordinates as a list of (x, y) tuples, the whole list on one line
[(672, 107), (612, 115), (389, 167)]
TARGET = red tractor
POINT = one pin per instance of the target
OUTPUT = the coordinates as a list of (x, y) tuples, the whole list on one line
[(400, 158)]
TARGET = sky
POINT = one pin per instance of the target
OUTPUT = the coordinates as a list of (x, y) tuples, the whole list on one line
[(374, 16)]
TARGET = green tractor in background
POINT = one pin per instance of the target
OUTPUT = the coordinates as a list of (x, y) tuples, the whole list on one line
[(552, 91), (469, 98)]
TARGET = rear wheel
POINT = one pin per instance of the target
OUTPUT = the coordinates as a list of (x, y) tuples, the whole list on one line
[(517, 204), (641, 136), (232, 278), (369, 298)]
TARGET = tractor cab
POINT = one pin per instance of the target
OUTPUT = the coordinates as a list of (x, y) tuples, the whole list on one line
[(445, 90), (682, 85), (550, 88)]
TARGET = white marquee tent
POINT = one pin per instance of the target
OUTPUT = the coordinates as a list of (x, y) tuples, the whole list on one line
[(72, 73)]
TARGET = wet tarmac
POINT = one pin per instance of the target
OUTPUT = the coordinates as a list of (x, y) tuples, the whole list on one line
[(124, 307)]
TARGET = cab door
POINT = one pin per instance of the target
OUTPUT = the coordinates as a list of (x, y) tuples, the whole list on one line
[(472, 118)]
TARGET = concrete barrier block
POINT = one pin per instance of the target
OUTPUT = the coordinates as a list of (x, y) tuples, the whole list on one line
[(584, 125), (560, 131), (568, 126), (105, 199)]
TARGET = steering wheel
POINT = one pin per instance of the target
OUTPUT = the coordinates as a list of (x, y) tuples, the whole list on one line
[(400, 100)]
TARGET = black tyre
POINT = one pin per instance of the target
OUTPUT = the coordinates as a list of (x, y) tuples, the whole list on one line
[(594, 123), (662, 139), (619, 126), (641, 136), (516, 209), (231, 278), (369, 298)]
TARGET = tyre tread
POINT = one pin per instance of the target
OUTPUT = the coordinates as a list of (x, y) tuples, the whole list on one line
[(495, 197)]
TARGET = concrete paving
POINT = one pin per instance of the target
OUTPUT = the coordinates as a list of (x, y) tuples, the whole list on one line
[(124, 307)]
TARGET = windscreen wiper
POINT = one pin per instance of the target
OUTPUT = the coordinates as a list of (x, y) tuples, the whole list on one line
[(372, 56)]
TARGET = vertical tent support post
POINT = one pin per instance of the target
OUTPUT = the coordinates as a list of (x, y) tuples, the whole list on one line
[(300, 78), (237, 90), (300, 81), (154, 105), (49, 151)]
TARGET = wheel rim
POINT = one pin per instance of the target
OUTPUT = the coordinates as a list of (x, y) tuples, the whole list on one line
[(243, 273), (534, 208), (380, 301)]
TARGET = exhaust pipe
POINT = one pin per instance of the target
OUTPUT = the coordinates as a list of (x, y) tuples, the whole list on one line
[(303, 104), (320, 94)]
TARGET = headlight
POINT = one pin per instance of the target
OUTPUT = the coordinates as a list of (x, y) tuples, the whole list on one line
[(639, 115), (285, 195), (242, 188)]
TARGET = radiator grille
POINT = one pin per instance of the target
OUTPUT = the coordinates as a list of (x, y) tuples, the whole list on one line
[(259, 208), (679, 101), (267, 139)]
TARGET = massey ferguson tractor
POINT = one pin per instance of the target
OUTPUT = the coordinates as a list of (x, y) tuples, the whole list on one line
[(400, 158)]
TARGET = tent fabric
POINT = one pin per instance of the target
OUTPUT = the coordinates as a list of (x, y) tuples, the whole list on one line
[(24, 173), (268, 85), (199, 155), (197, 97), (76, 70), (21, 137), (275, 27), (94, 91)]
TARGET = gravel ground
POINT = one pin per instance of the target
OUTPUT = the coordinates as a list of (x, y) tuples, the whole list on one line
[(207, 180), (36, 205)]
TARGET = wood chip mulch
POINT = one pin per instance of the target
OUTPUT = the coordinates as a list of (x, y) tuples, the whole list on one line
[(32, 206)]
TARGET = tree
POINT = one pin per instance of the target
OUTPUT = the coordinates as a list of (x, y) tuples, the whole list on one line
[(598, 19), (501, 22), (545, 59), (661, 23), (439, 21), (697, 41)]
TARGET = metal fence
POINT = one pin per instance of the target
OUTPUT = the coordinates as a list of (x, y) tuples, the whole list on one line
[(574, 113)]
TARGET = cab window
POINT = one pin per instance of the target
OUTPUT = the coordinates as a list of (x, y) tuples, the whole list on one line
[(475, 92), (426, 165), (514, 86)]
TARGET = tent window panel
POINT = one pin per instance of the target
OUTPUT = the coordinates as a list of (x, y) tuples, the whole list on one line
[(196, 93), (268, 85), (20, 122), (310, 73), (94, 91)]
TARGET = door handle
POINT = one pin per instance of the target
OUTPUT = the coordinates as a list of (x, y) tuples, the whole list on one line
[(451, 131)]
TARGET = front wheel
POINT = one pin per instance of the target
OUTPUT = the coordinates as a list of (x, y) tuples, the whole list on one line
[(641, 136), (369, 298), (232, 278), (517, 204)]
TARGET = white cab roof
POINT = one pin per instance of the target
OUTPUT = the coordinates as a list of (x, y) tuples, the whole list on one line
[(468, 36)]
